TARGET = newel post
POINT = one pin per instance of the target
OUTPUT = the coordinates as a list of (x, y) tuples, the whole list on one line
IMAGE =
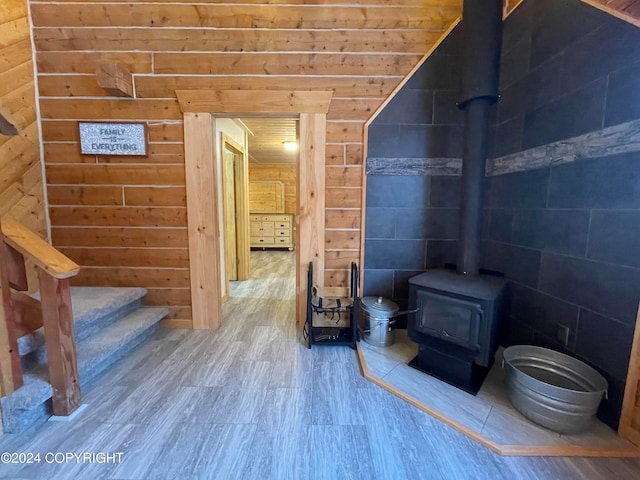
[(57, 317)]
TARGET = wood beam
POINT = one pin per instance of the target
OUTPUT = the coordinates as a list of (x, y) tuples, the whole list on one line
[(116, 79), (311, 188), (254, 101), (202, 221)]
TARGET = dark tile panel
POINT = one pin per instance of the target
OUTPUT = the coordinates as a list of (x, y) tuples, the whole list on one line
[(401, 282), (515, 61), (408, 106), (517, 333), (518, 24), (383, 140), (425, 141), (432, 223), (606, 289), (602, 52), (452, 44), (609, 182), (379, 222), (394, 254), (445, 109), (445, 191), (508, 137), (514, 100), (614, 237), (439, 72), (411, 223), (520, 190), (485, 227), (441, 253), (377, 282), (542, 312), (500, 228), (568, 116), (560, 231), (519, 264), (558, 25), (623, 96), (397, 191), (604, 342), (544, 83)]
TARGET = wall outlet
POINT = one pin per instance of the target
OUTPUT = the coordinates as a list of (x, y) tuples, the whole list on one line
[(562, 335)]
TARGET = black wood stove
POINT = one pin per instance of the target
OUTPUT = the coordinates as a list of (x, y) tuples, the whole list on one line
[(459, 313)]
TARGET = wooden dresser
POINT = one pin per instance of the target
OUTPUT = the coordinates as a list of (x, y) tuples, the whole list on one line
[(271, 230)]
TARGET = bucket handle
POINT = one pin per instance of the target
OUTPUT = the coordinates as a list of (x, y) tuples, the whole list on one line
[(369, 330)]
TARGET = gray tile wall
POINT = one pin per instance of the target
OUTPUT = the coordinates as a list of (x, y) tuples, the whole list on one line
[(412, 221)]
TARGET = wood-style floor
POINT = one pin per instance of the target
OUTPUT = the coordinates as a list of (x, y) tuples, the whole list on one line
[(249, 401)]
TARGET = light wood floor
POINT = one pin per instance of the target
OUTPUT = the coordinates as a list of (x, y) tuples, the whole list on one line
[(249, 401)]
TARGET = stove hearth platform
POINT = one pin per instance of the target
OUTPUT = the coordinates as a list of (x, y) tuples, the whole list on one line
[(487, 418)]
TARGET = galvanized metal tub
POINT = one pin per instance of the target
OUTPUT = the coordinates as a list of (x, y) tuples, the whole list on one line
[(552, 389)]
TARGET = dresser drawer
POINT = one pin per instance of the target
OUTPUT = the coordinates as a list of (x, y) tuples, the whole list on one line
[(267, 229), (262, 240), (255, 228), (282, 240), (282, 232), (283, 225), (276, 218), (255, 218)]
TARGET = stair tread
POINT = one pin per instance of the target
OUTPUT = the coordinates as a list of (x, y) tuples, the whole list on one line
[(90, 352), (89, 304), (95, 349)]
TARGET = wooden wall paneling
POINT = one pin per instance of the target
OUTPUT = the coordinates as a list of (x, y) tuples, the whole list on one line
[(155, 196), (252, 101), (148, 86), (124, 109), (82, 216), (129, 257), (202, 226), (116, 174), (311, 180), (133, 277), (21, 187), (281, 172), (118, 237), (343, 176), (281, 64), (245, 16), (237, 40), (353, 154), (87, 62), (343, 218), (630, 418), (84, 195), (335, 154)]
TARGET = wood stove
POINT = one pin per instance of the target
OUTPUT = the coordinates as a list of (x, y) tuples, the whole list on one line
[(457, 325), (459, 313)]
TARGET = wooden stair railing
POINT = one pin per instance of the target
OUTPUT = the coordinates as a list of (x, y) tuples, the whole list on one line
[(20, 314)]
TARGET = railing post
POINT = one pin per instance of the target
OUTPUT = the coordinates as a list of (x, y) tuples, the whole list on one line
[(57, 317), (10, 368)]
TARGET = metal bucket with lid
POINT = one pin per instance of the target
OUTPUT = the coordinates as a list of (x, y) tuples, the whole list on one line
[(378, 319)]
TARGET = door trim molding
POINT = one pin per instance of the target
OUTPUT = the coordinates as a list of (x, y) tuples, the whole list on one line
[(198, 108)]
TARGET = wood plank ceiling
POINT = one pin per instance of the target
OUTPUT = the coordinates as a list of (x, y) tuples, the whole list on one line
[(359, 49), (266, 139)]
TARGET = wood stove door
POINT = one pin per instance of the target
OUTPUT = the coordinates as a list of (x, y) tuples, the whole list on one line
[(451, 319)]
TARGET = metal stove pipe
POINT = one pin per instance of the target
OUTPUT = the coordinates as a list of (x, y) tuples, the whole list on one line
[(482, 32)]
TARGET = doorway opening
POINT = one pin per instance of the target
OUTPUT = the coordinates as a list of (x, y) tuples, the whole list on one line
[(269, 176), (200, 108)]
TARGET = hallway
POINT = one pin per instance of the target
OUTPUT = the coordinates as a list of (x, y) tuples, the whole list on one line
[(249, 401)]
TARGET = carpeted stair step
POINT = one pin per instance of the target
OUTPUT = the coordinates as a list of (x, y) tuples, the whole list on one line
[(32, 402), (93, 309)]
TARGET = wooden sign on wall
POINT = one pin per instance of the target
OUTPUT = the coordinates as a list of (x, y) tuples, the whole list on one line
[(113, 138)]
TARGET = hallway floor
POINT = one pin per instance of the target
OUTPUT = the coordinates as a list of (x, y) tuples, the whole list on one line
[(249, 401)]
